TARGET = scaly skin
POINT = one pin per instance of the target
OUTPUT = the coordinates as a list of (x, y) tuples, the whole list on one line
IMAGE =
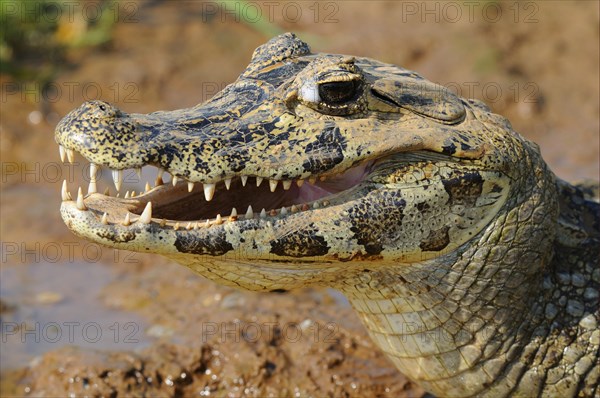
[(472, 266)]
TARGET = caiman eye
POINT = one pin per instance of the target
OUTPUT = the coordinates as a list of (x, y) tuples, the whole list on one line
[(336, 93)]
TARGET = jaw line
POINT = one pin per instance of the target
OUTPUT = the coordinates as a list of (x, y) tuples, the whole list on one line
[(160, 237), (118, 209), (109, 211)]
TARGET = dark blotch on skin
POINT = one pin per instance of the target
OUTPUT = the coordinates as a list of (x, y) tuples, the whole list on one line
[(115, 236), (326, 152), (196, 124), (215, 245), (496, 189), (436, 241), (303, 243), (449, 149), (423, 207), (373, 228), (464, 189)]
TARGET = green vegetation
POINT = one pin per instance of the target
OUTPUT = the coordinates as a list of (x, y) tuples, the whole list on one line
[(36, 35)]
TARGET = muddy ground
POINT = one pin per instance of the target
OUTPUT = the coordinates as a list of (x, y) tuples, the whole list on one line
[(142, 326)]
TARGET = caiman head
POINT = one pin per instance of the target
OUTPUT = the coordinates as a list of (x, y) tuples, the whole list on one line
[(306, 166)]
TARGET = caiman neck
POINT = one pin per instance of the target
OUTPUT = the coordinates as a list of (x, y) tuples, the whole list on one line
[(457, 324)]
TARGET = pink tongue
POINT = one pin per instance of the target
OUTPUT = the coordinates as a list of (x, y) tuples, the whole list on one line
[(347, 180), (309, 192), (339, 183)]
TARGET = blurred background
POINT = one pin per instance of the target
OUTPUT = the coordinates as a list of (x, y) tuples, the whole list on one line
[(78, 318)]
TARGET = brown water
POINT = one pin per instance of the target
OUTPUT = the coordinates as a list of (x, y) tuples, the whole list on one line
[(53, 305)]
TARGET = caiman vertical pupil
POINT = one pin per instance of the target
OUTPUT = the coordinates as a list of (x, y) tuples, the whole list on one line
[(337, 92)]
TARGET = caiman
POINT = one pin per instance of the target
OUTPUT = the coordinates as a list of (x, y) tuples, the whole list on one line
[(473, 267)]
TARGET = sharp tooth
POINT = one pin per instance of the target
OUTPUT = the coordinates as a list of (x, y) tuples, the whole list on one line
[(174, 180), (244, 180), (259, 181), (189, 226), (294, 209), (263, 213), (138, 171), (287, 184), (104, 219), (316, 205), (80, 204), (126, 195), (283, 211), (305, 207), (159, 179), (325, 203), (118, 178), (176, 226), (65, 195), (207, 224), (127, 220), (312, 180), (63, 153), (233, 212), (273, 212), (163, 222), (106, 192), (93, 171), (92, 187), (71, 155), (273, 185), (249, 213), (209, 191), (228, 183), (190, 186), (147, 188), (133, 194), (146, 216), (299, 183), (196, 225), (219, 220)]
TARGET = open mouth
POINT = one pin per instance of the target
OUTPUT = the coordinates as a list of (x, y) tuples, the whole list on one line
[(173, 202)]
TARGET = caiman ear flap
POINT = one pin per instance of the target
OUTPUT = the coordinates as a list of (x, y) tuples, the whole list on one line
[(422, 97)]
